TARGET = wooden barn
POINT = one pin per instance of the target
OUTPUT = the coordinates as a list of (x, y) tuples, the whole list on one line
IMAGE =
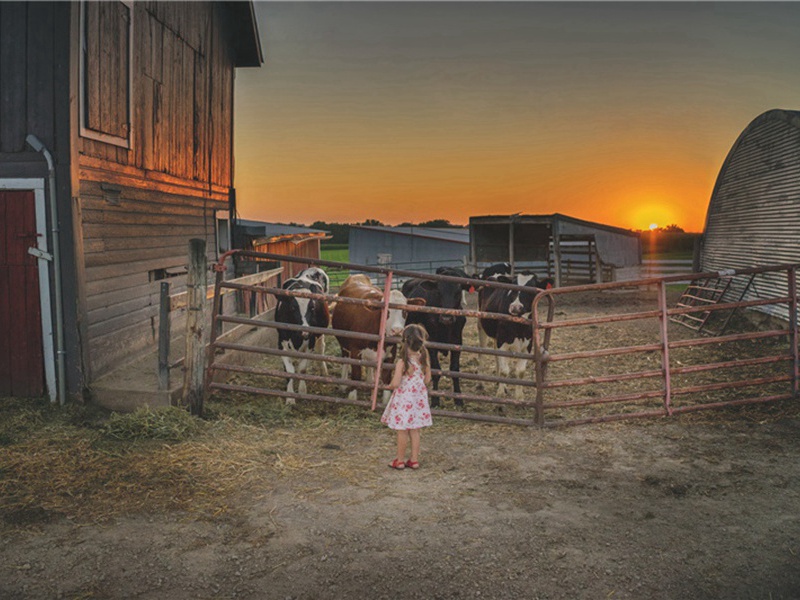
[(116, 148), (753, 217), (570, 250)]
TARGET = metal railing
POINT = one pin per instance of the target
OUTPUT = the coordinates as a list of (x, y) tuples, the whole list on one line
[(635, 378), (380, 339), (773, 386)]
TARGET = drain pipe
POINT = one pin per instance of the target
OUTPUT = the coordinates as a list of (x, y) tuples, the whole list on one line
[(38, 146)]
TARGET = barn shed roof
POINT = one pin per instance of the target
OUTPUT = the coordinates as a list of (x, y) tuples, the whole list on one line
[(458, 235), (570, 222), (246, 40), (271, 232)]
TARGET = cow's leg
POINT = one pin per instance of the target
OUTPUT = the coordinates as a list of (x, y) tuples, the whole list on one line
[(288, 365), (503, 370), (302, 367), (434, 354), (355, 374), (320, 347), (521, 365), (455, 367)]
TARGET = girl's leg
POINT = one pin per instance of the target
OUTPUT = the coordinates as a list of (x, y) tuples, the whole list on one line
[(415, 437), (402, 443)]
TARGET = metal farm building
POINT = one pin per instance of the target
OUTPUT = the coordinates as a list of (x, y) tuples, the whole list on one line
[(753, 217), (570, 250), (410, 248)]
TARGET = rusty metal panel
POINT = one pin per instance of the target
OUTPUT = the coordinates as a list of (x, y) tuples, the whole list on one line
[(754, 214)]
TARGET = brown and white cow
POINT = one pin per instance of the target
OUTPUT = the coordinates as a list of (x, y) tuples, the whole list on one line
[(358, 318)]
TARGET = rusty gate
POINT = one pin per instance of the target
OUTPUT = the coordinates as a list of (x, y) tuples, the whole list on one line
[(545, 400)]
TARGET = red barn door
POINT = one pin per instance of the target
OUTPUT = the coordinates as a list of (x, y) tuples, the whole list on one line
[(21, 355)]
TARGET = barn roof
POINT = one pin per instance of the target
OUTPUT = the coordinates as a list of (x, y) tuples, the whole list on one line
[(549, 219), (271, 232), (458, 235), (246, 40)]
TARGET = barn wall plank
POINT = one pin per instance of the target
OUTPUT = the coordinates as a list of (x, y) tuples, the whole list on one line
[(13, 91)]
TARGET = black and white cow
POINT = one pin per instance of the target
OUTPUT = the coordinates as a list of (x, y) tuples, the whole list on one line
[(316, 274), (508, 336), (321, 277), (443, 329), (309, 312)]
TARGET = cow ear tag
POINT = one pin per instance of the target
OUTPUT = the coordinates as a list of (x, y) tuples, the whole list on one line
[(549, 286), (472, 289)]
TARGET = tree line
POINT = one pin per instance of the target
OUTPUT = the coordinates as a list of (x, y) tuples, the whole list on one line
[(340, 232)]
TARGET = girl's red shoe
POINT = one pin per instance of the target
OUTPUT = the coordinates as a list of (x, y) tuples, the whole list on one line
[(397, 464), (412, 464)]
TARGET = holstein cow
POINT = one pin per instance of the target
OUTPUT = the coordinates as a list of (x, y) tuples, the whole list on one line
[(508, 336), (321, 277), (358, 318), (309, 312), (444, 329)]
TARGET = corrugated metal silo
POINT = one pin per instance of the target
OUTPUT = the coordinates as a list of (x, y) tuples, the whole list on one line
[(753, 218)]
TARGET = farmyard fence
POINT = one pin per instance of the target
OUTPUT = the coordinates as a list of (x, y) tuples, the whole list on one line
[(555, 391), (329, 386)]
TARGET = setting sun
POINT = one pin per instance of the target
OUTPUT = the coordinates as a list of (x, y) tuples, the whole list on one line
[(653, 226)]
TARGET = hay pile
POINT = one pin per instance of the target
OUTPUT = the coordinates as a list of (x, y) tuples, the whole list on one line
[(112, 465)]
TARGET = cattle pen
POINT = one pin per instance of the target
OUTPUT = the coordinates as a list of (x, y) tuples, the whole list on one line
[(631, 361)]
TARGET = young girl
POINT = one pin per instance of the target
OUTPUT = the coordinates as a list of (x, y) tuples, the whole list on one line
[(408, 409)]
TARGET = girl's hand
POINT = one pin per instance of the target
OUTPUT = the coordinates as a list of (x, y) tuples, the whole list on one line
[(397, 375)]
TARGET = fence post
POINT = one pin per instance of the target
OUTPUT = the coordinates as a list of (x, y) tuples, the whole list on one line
[(196, 286), (381, 337), (792, 285), (164, 333), (662, 306)]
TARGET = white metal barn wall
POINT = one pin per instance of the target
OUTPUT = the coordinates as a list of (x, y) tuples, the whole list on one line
[(754, 215)]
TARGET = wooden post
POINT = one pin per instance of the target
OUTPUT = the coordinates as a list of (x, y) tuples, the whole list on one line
[(164, 334), (196, 285)]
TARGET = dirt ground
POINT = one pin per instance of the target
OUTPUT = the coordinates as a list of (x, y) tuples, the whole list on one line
[(667, 509), (694, 507)]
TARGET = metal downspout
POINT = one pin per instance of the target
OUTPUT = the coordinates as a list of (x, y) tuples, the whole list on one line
[(38, 146)]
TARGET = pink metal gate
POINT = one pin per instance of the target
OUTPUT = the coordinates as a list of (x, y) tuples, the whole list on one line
[(668, 369)]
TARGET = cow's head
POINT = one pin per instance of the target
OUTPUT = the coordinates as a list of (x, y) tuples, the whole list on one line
[(521, 300), (451, 294), (303, 311), (396, 319)]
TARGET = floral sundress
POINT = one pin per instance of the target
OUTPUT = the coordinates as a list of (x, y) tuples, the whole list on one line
[(408, 407)]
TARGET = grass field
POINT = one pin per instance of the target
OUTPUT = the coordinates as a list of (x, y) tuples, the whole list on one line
[(335, 252)]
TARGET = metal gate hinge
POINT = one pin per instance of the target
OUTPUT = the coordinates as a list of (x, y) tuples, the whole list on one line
[(40, 254)]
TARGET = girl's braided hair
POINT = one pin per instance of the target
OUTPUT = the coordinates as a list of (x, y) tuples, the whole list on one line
[(414, 338)]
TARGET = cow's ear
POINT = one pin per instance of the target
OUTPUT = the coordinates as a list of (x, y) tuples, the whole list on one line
[(417, 301)]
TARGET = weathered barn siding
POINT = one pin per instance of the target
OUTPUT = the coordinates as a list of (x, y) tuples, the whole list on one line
[(134, 100), (302, 247), (33, 45), (183, 68), (126, 257), (753, 217), (141, 206)]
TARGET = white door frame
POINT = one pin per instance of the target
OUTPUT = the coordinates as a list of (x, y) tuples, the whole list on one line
[(36, 186)]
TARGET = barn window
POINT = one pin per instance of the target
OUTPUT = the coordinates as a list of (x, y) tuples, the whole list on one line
[(223, 232), (106, 71)]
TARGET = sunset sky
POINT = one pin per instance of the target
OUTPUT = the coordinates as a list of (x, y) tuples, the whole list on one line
[(620, 113)]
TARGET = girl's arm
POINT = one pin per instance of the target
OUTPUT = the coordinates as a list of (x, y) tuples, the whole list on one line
[(427, 377), (397, 375)]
